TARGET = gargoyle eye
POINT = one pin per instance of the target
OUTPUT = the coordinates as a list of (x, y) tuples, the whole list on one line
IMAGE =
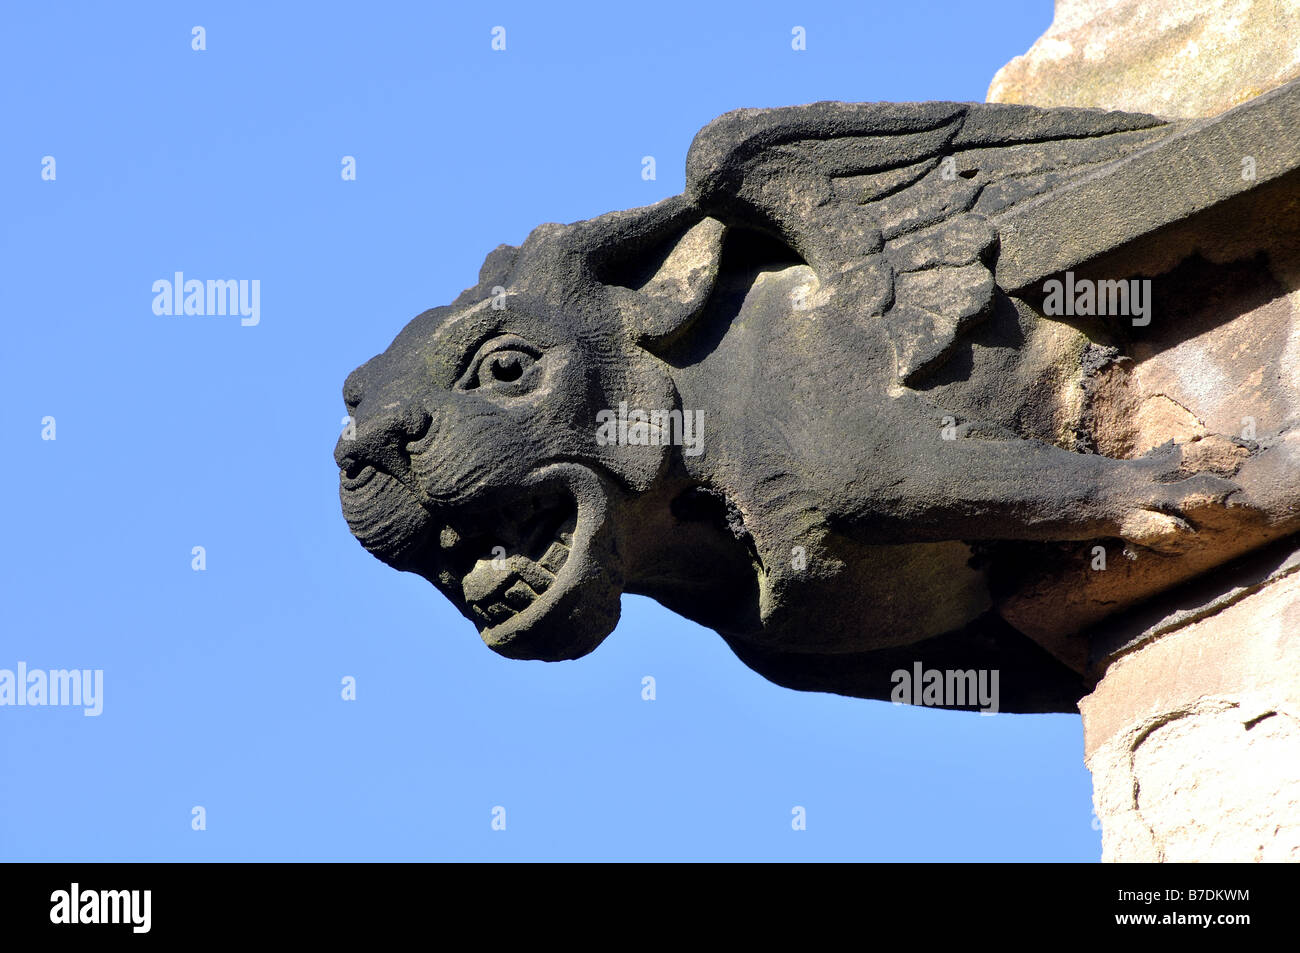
[(505, 366), (501, 363)]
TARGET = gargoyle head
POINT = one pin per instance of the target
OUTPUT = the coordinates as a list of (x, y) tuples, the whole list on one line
[(473, 459)]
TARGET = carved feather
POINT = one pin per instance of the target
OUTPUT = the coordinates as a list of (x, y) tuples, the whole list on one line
[(913, 186)]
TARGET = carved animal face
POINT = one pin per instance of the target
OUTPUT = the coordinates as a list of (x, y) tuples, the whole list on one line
[(475, 462)]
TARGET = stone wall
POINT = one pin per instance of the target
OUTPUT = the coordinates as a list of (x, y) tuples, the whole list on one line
[(1193, 737), (1179, 58), (1193, 731)]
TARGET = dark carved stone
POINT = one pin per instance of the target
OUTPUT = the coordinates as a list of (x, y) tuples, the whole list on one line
[(899, 461)]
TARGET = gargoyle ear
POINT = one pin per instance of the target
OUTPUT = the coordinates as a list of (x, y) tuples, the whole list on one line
[(495, 272), (658, 309), (498, 265)]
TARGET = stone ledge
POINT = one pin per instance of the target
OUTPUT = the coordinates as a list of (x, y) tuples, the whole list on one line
[(1251, 646)]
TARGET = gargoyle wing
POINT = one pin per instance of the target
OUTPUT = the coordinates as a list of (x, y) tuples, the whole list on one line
[(897, 202)]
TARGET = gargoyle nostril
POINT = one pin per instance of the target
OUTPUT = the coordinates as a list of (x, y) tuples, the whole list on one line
[(416, 423), (384, 442), (352, 392), (347, 460)]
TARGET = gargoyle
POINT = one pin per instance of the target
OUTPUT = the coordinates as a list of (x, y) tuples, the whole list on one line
[(898, 456)]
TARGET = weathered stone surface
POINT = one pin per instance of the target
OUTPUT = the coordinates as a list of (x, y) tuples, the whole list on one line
[(902, 458), (1200, 165), (1178, 58), (1191, 730), (1193, 736)]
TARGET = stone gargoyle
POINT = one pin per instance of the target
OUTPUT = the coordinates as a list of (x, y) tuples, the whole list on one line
[(824, 403)]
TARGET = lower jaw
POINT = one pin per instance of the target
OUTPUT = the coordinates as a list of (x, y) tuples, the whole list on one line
[(580, 608), (567, 620)]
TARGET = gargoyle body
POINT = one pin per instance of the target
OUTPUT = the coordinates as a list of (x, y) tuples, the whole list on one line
[(893, 451)]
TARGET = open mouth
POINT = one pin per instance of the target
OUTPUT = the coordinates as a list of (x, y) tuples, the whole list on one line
[(532, 566), (500, 562)]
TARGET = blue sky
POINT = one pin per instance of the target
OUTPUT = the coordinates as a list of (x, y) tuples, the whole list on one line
[(222, 687)]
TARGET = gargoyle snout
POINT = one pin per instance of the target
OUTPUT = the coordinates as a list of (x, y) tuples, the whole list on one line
[(378, 438)]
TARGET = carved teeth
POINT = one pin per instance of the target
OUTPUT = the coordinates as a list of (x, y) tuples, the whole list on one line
[(520, 595), (481, 582), (496, 587), (487, 577), (532, 573), (554, 557)]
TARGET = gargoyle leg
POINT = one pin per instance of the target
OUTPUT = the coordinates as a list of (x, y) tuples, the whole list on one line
[(978, 488)]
